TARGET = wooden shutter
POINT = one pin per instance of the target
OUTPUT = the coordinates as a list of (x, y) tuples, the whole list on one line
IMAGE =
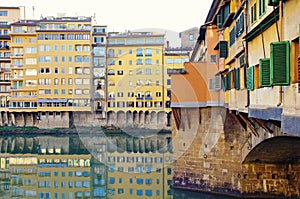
[(211, 84), (237, 79), (228, 81), (218, 84), (219, 21), (273, 2), (264, 72), (250, 78), (223, 51), (280, 63)]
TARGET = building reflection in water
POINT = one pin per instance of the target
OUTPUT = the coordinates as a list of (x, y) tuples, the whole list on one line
[(85, 167)]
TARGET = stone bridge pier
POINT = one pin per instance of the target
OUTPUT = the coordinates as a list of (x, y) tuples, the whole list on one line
[(227, 152)]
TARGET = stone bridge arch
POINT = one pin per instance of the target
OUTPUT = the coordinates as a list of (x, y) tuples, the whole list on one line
[(275, 150)]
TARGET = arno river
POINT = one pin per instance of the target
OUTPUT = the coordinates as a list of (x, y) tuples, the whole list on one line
[(88, 166)]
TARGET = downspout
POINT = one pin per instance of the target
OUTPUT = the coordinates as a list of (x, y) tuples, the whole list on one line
[(246, 51), (279, 34)]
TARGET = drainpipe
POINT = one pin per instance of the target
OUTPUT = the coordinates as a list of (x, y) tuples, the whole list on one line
[(279, 34), (246, 50)]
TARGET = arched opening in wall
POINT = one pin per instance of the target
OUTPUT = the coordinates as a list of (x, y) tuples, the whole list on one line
[(161, 118), (147, 117), (2, 118), (121, 119), (129, 117), (141, 117), (110, 117), (169, 117), (153, 119), (135, 117)]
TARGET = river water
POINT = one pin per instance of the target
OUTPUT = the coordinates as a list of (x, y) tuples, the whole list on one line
[(89, 166)]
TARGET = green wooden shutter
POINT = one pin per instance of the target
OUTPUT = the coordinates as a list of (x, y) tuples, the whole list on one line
[(264, 72), (273, 2), (280, 63), (237, 78), (228, 83), (223, 51), (250, 78), (219, 21)]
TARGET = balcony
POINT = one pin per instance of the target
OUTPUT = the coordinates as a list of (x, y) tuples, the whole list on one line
[(20, 66), (23, 96), (111, 98), (148, 98), (3, 70), (16, 88), (112, 55), (176, 71), (4, 81), (17, 55), (17, 77)]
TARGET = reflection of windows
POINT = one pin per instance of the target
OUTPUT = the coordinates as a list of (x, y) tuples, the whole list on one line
[(191, 37), (139, 71), (148, 52), (111, 62), (139, 62), (139, 52), (148, 61), (111, 72)]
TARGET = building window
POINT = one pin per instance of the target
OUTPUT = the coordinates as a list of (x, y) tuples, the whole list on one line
[(262, 7), (253, 13), (139, 52), (191, 37), (213, 59), (232, 36)]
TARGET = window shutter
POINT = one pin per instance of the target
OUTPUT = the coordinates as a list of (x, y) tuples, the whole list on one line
[(223, 51), (237, 79), (280, 63), (219, 21), (273, 2), (250, 78), (228, 85), (264, 72), (211, 84), (218, 83)]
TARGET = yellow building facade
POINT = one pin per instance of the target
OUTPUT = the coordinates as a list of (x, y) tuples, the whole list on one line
[(8, 15), (51, 69), (135, 79)]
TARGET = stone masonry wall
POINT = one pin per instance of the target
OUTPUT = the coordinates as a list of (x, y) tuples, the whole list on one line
[(208, 154)]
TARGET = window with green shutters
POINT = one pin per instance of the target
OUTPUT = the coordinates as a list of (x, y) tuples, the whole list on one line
[(237, 78), (228, 81), (250, 78), (219, 21), (264, 72), (280, 63), (223, 49), (262, 7)]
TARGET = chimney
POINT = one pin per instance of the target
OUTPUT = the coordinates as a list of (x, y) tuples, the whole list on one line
[(168, 44)]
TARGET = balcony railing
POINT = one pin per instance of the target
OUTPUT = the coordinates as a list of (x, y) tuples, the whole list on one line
[(16, 88), (112, 55), (17, 65)]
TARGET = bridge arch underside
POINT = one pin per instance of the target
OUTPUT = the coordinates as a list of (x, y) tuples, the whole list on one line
[(276, 150)]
